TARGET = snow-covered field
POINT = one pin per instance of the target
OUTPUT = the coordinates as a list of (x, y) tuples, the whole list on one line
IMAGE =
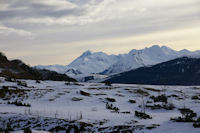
[(67, 107)]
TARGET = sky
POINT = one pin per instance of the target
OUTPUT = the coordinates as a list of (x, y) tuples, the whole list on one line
[(58, 31)]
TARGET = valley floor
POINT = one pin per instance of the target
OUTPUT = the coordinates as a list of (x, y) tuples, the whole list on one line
[(95, 107)]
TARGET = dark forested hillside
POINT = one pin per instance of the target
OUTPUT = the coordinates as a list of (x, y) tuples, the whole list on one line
[(18, 69), (180, 71)]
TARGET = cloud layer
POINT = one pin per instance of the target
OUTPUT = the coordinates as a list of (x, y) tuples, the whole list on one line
[(53, 23)]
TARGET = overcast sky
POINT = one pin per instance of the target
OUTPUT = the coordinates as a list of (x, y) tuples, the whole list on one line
[(57, 31)]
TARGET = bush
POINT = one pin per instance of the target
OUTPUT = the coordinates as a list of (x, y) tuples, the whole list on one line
[(9, 79), (19, 103), (76, 99), (110, 99), (27, 130), (187, 115), (111, 107), (37, 81), (195, 98), (22, 83), (196, 125), (108, 84), (158, 106), (84, 93), (73, 83), (142, 115), (161, 98), (141, 92), (5, 92), (132, 101)]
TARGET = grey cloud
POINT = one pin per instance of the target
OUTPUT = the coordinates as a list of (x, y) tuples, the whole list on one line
[(29, 9), (90, 20)]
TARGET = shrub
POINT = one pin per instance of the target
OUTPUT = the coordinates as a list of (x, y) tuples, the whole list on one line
[(132, 101), (110, 99), (108, 84), (141, 92), (164, 106), (187, 115), (76, 99), (195, 98), (22, 83), (73, 83), (142, 115), (27, 130), (111, 107), (84, 93), (196, 125), (37, 81), (161, 98), (152, 89), (9, 79), (5, 92), (19, 103)]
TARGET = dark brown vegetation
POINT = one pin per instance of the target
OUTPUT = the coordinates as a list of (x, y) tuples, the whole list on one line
[(142, 115), (18, 70), (188, 115), (111, 107), (132, 101), (110, 99), (160, 98), (19, 103), (163, 106), (84, 93), (6, 93)]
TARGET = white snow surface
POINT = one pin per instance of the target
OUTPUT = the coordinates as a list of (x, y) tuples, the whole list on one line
[(145, 57), (87, 63), (99, 62), (58, 68), (90, 62), (58, 100)]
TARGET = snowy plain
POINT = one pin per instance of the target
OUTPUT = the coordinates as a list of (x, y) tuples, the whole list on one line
[(56, 104)]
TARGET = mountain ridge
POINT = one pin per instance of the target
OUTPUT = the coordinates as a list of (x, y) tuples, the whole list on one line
[(19, 70), (180, 71), (101, 63)]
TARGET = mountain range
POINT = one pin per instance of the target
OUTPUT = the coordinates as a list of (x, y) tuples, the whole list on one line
[(154, 65), (99, 63)]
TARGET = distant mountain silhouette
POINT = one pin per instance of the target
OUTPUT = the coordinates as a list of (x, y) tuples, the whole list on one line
[(18, 69), (180, 71)]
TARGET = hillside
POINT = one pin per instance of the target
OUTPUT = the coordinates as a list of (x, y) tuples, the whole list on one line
[(180, 71), (18, 69)]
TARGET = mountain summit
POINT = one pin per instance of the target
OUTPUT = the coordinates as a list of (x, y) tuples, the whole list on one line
[(95, 62), (145, 57), (102, 63)]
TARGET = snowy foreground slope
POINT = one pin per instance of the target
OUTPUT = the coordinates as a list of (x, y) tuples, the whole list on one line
[(94, 107)]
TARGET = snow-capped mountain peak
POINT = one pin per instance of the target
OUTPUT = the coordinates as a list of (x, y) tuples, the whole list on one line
[(93, 62), (144, 57), (86, 53), (99, 62)]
